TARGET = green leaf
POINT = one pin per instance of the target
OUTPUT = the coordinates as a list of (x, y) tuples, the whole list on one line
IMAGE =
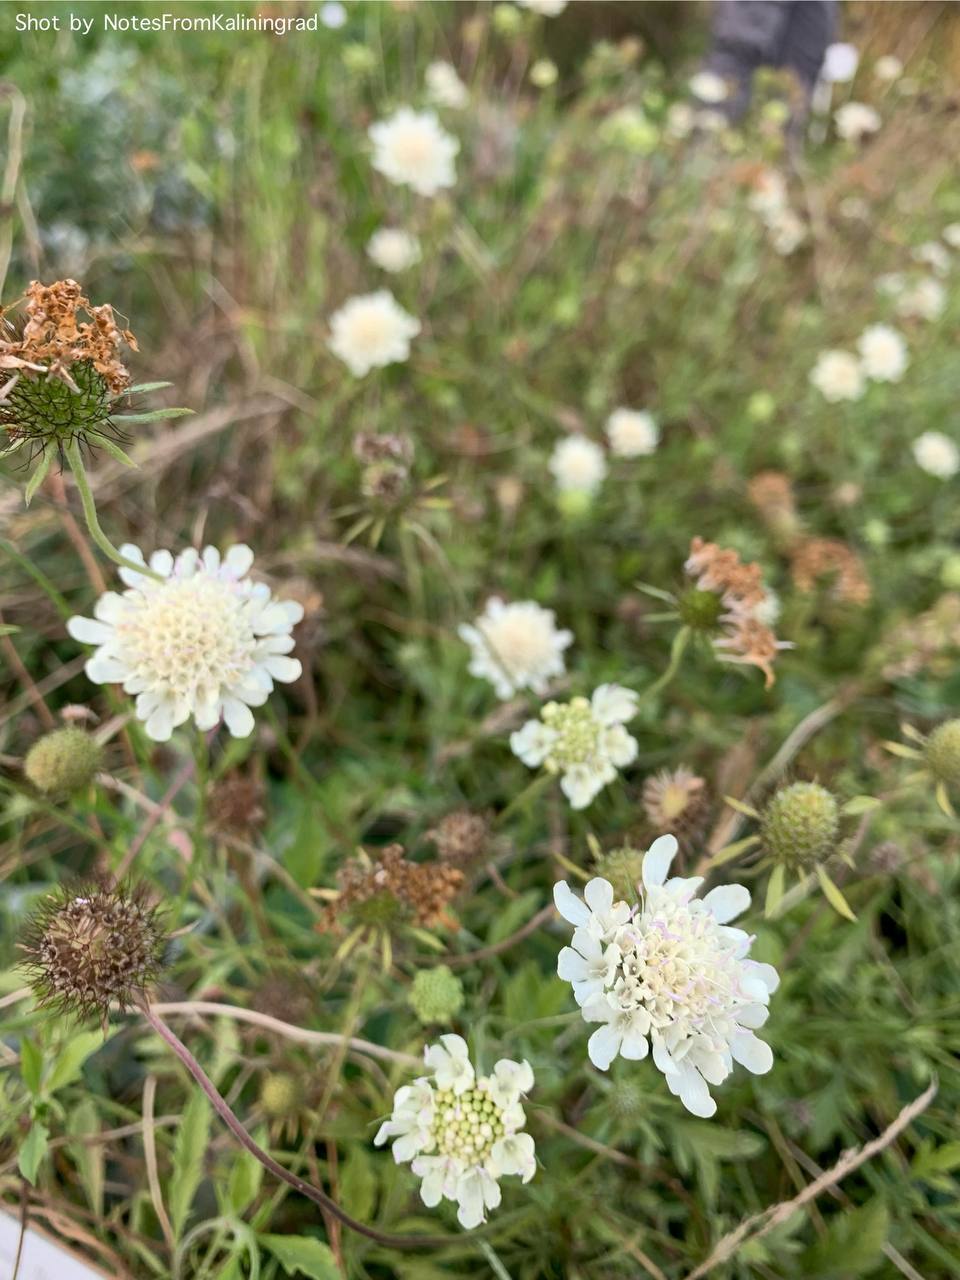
[(32, 1152), (84, 1122), (834, 896), (303, 1256), (731, 851), (246, 1176), (775, 888), (192, 1137), (860, 804), (152, 415), (741, 807), (38, 477), (143, 387), (358, 1184), (852, 1245), (111, 447), (31, 1064), (69, 1063)]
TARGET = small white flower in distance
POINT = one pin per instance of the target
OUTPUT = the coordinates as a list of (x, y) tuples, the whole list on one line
[(837, 375), (546, 8), (393, 250), (883, 353), (578, 465), (584, 742), (937, 454), (840, 62), (707, 86), (855, 120), (201, 639), (412, 150), (370, 331), (674, 977), (681, 118), (888, 68), (768, 192), (787, 231), (933, 254), (462, 1133), (923, 300), (444, 86), (516, 646), (632, 433), (333, 15), (891, 284), (951, 234)]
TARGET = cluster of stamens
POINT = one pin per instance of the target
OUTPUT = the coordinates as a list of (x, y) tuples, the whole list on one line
[(577, 732), (467, 1125)]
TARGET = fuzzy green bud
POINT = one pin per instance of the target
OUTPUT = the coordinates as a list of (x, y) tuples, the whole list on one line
[(507, 20), (436, 995), (700, 610), (800, 825), (624, 869), (761, 406), (63, 761), (942, 753), (282, 1095)]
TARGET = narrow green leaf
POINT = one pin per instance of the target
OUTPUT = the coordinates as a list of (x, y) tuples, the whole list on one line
[(741, 807), (38, 477), (111, 447), (731, 851), (74, 1054), (150, 415), (143, 387), (775, 888), (31, 1064), (860, 804), (246, 1176), (303, 1256), (834, 896), (84, 1122), (192, 1137), (32, 1152)]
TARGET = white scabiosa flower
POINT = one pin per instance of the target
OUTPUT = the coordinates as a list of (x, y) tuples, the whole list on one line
[(578, 465), (787, 231), (937, 454), (370, 331), (922, 300), (707, 86), (393, 250), (933, 254), (444, 86), (837, 375), (632, 433), (888, 68), (840, 62), (546, 8), (768, 192), (669, 974), (462, 1132), (951, 233), (412, 150), (883, 353), (855, 120), (199, 640), (516, 646), (584, 741)]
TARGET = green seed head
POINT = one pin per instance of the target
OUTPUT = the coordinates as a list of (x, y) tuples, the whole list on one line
[(700, 610), (43, 411), (62, 762), (282, 1095), (623, 868), (942, 753), (800, 825), (436, 995)]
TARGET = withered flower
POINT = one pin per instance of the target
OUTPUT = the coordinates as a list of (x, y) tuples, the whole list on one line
[(817, 559)]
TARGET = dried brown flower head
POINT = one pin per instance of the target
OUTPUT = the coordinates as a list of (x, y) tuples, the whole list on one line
[(461, 838), (675, 801), (385, 446), (772, 494), (816, 559), (237, 804), (928, 642), (389, 891)]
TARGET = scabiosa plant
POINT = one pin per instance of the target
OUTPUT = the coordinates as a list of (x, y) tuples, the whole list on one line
[(583, 740), (462, 1132), (411, 149), (668, 974), (191, 636), (370, 331), (87, 948), (516, 646), (938, 756), (63, 761)]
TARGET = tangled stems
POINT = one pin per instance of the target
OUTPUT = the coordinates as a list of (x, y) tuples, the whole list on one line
[(75, 460), (319, 1198)]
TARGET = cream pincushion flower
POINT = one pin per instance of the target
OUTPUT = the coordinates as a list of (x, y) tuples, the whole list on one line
[(837, 375), (370, 331), (201, 640), (632, 433), (582, 741), (546, 8), (937, 454), (951, 233), (668, 974), (883, 353), (855, 120), (393, 250), (888, 67), (516, 646), (445, 87), (923, 300), (709, 87), (578, 465), (411, 149), (462, 1133)]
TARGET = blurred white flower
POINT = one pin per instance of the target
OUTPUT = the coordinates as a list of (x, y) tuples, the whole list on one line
[(578, 465), (888, 67), (890, 284), (708, 87), (393, 250), (582, 741), (837, 375), (787, 231), (923, 300), (668, 974), (951, 234), (370, 331), (854, 120), (933, 254), (333, 15), (200, 640), (883, 353), (768, 192), (937, 454), (461, 1133), (411, 149), (840, 62), (516, 646), (546, 8), (681, 118), (543, 73), (444, 86), (711, 121), (632, 433)]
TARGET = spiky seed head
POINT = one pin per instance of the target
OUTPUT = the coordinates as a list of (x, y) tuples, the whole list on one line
[(62, 762), (942, 753), (800, 825), (282, 1095), (44, 412), (91, 947), (436, 995), (623, 868)]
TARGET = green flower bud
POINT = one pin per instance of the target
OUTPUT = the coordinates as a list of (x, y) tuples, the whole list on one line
[(63, 761), (942, 753), (436, 995), (623, 868), (800, 825), (700, 610), (507, 20), (282, 1095)]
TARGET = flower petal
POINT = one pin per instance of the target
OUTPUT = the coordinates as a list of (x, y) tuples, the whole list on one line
[(727, 901), (569, 905), (657, 859)]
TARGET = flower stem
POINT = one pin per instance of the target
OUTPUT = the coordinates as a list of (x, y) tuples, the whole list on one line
[(527, 794), (320, 1198), (75, 460), (677, 650)]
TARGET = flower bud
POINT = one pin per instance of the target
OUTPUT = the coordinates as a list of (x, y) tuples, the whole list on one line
[(623, 868), (942, 753), (62, 762), (436, 995), (282, 1095), (800, 825)]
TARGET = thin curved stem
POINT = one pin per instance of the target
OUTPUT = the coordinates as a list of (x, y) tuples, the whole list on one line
[(320, 1198), (75, 460)]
